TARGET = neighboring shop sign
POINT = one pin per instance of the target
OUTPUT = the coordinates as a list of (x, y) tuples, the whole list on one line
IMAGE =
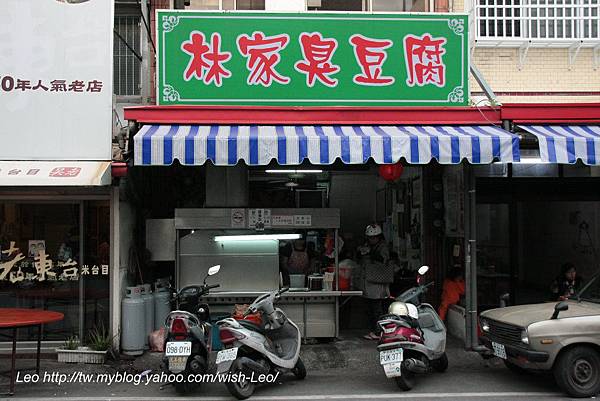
[(15, 267), (56, 84), (312, 59), (60, 173)]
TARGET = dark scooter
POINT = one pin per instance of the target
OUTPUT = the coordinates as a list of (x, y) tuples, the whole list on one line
[(188, 338)]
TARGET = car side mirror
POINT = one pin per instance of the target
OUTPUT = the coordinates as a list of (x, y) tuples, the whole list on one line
[(559, 307)]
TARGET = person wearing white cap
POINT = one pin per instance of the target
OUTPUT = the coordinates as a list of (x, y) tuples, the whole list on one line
[(377, 275)]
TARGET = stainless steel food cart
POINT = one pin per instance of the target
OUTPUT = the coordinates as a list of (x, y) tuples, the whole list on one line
[(250, 267)]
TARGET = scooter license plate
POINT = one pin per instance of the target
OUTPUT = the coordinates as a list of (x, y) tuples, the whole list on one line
[(390, 356), (178, 348), (227, 355), (177, 363), (393, 369), (499, 350)]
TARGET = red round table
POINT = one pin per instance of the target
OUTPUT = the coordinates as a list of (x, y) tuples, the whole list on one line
[(13, 319)]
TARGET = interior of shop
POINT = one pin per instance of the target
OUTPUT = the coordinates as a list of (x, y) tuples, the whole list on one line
[(421, 222), (528, 228)]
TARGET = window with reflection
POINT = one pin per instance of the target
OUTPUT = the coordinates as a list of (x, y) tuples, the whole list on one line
[(55, 256)]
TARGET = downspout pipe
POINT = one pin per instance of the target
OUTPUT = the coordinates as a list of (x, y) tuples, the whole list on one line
[(471, 316)]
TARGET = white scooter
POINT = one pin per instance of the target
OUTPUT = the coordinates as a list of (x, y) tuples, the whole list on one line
[(252, 350)]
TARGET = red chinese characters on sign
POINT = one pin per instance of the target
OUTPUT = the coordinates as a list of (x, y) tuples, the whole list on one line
[(206, 61), (317, 54), (65, 172), (424, 60), (263, 56), (370, 55)]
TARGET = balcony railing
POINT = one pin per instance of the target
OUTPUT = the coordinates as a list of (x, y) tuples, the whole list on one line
[(542, 21)]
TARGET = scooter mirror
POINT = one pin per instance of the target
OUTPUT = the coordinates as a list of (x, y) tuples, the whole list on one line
[(214, 270), (422, 270)]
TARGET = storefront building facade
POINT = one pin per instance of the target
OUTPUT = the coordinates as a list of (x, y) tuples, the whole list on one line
[(429, 214), (56, 199)]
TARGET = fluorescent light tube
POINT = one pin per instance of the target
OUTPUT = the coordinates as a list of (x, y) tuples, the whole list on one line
[(293, 171), (256, 237)]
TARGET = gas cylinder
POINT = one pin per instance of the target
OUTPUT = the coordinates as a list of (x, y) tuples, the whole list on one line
[(149, 311), (162, 303), (133, 322)]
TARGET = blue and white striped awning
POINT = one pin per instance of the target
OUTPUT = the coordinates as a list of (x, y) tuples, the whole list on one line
[(566, 143), (291, 145)]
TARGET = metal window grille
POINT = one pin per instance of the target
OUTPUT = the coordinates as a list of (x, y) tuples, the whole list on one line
[(548, 20), (127, 67)]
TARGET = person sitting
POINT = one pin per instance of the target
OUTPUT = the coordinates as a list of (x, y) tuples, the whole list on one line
[(566, 284), (452, 289)]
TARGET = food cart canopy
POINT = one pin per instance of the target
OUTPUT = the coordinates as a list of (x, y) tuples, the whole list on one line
[(567, 143), (226, 145)]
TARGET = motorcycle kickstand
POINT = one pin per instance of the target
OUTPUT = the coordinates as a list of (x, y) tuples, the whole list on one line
[(163, 386)]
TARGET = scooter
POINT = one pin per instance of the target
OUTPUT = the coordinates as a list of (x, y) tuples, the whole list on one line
[(252, 350), (188, 338), (413, 337)]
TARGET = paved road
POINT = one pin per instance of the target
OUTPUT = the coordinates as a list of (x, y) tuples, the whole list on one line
[(346, 370), (494, 383)]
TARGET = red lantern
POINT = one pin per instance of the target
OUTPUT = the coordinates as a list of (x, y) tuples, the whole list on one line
[(391, 172)]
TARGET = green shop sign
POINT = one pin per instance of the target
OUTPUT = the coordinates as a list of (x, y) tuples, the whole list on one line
[(312, 59)]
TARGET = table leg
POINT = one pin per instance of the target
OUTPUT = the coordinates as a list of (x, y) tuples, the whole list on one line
[(12, 363), (39, 345)]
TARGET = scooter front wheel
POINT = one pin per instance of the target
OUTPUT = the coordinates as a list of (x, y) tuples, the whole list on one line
[(242, 388), (406, 381)]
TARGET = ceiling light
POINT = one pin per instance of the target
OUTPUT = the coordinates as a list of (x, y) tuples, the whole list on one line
[(293, 171), (256, 237)]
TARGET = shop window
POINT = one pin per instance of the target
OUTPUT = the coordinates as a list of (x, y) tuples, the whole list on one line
[(55, 256), (127, 67), (335, 5), (398, 5), (226, 5), (203, 5), (538, 19)]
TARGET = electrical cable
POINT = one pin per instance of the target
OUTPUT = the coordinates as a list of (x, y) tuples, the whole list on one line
[(147, 27)]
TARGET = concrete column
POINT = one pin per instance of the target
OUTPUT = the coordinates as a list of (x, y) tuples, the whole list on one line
[(227, 186)]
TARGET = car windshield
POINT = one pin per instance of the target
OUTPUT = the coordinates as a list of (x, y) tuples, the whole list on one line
[(591, 292)]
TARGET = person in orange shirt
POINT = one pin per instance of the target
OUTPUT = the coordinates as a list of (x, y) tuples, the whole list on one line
[(453, 288)]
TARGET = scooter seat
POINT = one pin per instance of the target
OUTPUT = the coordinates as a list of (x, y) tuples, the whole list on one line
[(252, 326)]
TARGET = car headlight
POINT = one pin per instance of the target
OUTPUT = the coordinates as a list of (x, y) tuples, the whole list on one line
[(524, 337), (485, 326)]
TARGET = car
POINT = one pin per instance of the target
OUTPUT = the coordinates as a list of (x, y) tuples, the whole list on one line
[(563, 338)]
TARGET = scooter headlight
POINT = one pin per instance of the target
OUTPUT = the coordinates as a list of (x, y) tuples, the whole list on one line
[(524, 337)]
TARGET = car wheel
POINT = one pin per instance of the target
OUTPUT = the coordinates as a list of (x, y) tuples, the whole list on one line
[(577, 371), (514, 368)]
